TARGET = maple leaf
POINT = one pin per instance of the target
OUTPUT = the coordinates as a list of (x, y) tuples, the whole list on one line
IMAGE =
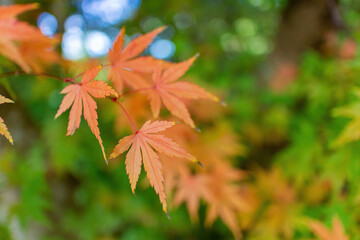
[(12, 30), (40, 52), (79, 96), (165, 91), (218, 184), (281, 213), (222, 142), (3, 129), (220, 191), (190, 190), (224, 198), (125, 67), (351, 132), (322, 232), (142, 144)]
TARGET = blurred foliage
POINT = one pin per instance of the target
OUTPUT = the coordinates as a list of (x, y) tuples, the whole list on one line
[(297, 149)]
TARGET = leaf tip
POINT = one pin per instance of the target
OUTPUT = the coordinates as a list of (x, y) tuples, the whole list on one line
[(216, 99), (167, 214), (36, 5), (70, 132), (112, 155), (162, 28)]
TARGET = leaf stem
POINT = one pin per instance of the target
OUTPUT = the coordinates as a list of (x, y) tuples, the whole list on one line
[(115, 100)]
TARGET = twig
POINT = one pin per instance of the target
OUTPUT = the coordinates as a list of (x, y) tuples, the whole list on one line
[(20, 72)]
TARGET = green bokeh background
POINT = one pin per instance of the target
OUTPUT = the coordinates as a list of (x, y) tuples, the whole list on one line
[(55, 187)]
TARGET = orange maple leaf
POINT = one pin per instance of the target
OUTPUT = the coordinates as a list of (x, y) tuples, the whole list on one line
[(125, 67), (3, 129), (170, 94), (13, 30), (141, 145), (191, 188), (79, 96), (224, 197), (39, 52), (322, 232), (218, 184), (220, 191)]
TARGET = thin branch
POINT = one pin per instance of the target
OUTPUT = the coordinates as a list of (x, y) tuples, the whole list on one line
[(20, 72)]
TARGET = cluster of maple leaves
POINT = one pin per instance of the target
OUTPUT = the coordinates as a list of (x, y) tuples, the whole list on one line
[(154, 78), (218, 183), (160, 87)]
